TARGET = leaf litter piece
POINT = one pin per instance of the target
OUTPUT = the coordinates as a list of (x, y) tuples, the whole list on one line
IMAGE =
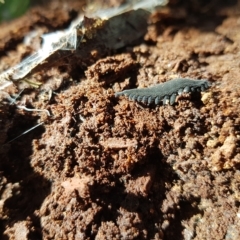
[(111, 27)]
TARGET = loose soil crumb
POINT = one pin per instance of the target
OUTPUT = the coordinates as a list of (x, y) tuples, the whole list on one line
[(107, 168)]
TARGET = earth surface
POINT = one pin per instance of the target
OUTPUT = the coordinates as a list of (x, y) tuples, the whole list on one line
[(101, 167)]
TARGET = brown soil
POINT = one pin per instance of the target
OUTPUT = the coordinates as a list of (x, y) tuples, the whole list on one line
[(107, 168)]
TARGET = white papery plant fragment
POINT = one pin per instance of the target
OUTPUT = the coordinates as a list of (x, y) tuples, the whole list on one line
[(69, 39)]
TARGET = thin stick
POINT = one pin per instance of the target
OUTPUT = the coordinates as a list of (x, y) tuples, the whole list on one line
[(41, 123), (34, 110), (14, 99)]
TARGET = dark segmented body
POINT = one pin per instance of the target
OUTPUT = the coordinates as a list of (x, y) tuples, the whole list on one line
[(165, 92)]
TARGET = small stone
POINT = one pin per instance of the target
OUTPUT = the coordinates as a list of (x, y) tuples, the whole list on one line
[(206, 97), (212, 143)]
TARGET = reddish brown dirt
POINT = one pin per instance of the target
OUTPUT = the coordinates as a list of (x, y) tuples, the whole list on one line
[(107, 168)]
